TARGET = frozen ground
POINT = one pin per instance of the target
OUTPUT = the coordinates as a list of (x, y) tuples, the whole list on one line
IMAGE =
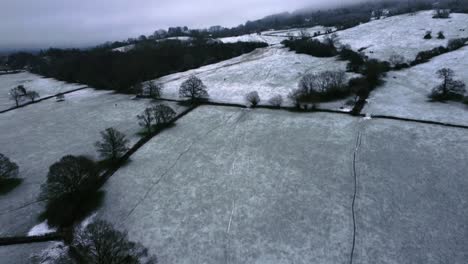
[(411, 205), (269, 71), (263, 186), (403, 34), (240, 186), (38, 135), (405, 92), (20, 254), (44, 86)]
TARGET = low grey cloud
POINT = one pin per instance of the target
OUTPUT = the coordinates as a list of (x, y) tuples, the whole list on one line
[(78, 23)]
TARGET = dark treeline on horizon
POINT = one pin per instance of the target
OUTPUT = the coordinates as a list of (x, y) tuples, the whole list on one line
[(106, 69)]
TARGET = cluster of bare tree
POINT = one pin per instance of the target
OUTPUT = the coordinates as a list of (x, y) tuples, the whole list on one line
[(148, 89), (449, 89), (441, 13), (154, 116), (96, 243), (316, 87), (19, 94)]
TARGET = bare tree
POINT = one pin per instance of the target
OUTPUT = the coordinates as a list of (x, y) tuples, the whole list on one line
[(22, 90), (322, 82), (113, 144), (163, 114), (296, 96), (193, 88), (252, 99), (154, 90), (146, 119), (32, 95), (70, 177), (276, 101), (71, 185), (449, 89), (100, 243), (8, 169), (137, 89), (16, 95)]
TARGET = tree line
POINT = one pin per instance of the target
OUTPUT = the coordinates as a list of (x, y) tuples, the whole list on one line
[(119, 71)]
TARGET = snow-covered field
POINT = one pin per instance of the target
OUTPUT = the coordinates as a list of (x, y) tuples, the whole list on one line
[(124, 48), (269, 71), (264, 186), (405, 92), (38, 135), (412, 198), (403, 34), (44, 86), (240, 186), (270, 40), (21, 254)]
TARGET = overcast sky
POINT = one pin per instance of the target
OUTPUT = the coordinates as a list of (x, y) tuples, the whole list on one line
[(78, 23)]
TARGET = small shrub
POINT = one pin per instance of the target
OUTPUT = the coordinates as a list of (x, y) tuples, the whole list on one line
[(252, 99), (440, 35), (276, 101), (428, 35), (8, 169), (60, 97)]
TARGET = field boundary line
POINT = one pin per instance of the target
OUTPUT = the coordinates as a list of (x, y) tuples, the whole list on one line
[(42, 99)]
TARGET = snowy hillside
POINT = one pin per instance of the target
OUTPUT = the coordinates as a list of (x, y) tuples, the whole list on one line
[(275, 37), (403, 34), (405, 92), (125, 48), (270, 40), (33, 82), (295, 32), (36, 136), (269, 71)]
